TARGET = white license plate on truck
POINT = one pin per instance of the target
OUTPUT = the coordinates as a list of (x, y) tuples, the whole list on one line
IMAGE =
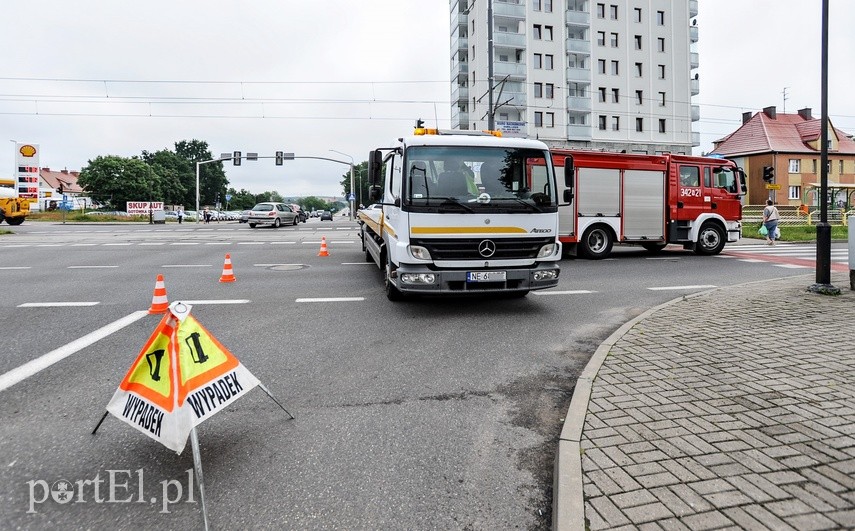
[(486, 276)]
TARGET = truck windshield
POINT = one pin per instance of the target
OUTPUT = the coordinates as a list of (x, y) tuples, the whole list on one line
[(478, 179), (726, 178)]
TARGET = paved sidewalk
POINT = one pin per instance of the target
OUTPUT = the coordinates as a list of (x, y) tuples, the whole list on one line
[(729, 409)]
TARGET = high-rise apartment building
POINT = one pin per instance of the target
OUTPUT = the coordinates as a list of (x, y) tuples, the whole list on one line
[(613, 74)]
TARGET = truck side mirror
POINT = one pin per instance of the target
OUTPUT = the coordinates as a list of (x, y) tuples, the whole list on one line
[(568, 195), (375, 166), (569, 170), (374, 193)]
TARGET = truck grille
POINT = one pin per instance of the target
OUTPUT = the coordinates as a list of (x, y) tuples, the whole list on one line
[(467, 248)]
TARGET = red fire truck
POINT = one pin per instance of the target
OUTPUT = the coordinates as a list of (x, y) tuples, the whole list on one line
[(647, 200)]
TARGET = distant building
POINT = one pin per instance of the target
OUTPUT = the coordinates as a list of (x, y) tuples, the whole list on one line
[(50, 193), (790, 145), (613, 75)]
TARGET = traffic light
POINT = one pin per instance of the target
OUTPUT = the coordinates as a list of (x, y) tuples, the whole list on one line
[(61, 188), (768, 174), (236, 158), (279, 158)]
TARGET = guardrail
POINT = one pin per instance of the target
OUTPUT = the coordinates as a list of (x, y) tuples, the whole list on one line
[(790, 215)]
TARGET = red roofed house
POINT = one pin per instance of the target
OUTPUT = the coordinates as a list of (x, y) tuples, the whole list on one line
[(49, 187), (789, 143)]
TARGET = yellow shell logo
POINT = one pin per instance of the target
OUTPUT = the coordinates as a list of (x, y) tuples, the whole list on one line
[(27, 150)]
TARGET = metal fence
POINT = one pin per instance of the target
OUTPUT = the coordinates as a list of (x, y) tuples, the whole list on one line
[(790, 215)]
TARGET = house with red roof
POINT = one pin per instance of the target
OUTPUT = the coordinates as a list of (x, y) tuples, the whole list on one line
[(790, 145), (54, 184)]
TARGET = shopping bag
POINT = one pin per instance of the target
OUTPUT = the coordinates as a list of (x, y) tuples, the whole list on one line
[(763, 230), (777, 233)]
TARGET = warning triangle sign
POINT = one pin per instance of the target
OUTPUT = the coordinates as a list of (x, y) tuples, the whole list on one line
[(180, 378)]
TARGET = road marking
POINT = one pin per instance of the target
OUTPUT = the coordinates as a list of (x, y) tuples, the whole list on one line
[(358, 263), (14, 246), (791, 266), (116, 244), (186, 265), (568, 292), (698, 286), (332, 299), (35, 366), (184, 243), (152, 243), (752, 260), (49, 245), (92, 267), (84, 244), (274, 265), (218, 243), (16, 267), (56, 304), (220, 301), (282, 243), (251, 243)]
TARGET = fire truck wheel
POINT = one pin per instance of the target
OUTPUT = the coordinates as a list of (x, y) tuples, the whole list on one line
[(596, 242), (392, 293), (710, 240)]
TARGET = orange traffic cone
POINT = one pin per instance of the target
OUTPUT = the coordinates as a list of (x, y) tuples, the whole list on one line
[(159, 303), (323, 251), (228, 275)]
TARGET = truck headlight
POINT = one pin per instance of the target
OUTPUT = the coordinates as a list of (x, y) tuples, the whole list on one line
[(418, 278), (550, 274), (419, 252), (546, 250)]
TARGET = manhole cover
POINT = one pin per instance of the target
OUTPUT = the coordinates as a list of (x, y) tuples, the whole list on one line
[(287, 267)]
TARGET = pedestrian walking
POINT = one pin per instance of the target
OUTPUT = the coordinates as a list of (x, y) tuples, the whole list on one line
[(207, 215), (180, 215), (770, 221)]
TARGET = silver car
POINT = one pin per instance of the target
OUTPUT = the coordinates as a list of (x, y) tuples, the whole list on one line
[(270, 213)]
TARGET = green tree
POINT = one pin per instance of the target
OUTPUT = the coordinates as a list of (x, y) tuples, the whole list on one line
[(117, 180), (360, 183), (212, 177), (177, 176), (241, 200)]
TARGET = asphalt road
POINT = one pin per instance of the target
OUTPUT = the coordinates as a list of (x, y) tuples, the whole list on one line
[(432, 413)]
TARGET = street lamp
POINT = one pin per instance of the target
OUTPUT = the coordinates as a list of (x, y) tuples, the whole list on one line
[(351, 180)]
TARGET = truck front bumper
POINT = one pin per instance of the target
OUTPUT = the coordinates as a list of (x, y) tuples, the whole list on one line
[(416, 279)]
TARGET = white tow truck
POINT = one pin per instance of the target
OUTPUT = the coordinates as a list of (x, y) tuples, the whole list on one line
[(462, 212)]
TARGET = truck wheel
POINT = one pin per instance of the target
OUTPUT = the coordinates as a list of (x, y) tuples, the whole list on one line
[(710, 240), (596, 243), (654, 248), (14, 221), (392, 293)]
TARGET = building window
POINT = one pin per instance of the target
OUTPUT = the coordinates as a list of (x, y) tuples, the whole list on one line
[(550, 91), (638, 42), (538, 119), (794, 192), (547, 6), (547, 32), (601, 10), (613, 11), (615, 68), (601, 38), (795, 166), (662, 125), (550, 119), (538, 60), (661, 99), (615, 123), (639, 97), (614, 40), (549, 61), (537, 31), (660, 18), (660, 43), (602, 91), (615, 95), (661, 71), (639, 125), (637, 69), (602, 122), (538, 90), (637, 12), (536, 5), (601, 66), (841, 166), (815, 166)]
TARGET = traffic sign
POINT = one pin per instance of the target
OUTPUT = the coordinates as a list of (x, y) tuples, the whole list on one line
[(228, 197), (773, 186), (351, 197)]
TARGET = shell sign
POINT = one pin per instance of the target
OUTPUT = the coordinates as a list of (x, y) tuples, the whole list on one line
[(27, 150)]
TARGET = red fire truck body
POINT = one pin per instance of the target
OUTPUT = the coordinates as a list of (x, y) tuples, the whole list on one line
[(647, 200)]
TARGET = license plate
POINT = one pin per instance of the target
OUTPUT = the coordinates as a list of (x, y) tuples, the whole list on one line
[(485, 276)]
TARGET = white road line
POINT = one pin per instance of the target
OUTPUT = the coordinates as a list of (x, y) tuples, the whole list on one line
[(358, 263), (92, 267), (567, 292), (669, 288), (30, 368), (16, 267), (251, 243), (753, 260), (332, 299), (117, 244), (84, 244), (184, 243), (282, 243), (218, 243), (49, 245), (56, 304), (663, 258), (221, 301), (186, 265), (792, 266), (15, 246), (152, 243)]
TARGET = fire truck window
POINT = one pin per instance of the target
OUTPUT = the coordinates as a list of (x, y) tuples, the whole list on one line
[(706, 177), (690, 176)]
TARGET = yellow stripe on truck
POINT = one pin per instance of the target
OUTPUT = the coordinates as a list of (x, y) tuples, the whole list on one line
[(468, 230)]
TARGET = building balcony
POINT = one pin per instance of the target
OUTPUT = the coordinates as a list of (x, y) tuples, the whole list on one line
[(501, 9), (578, 18), (694, 87), (693, 8), (459, 19), (459, 118), (510, 40), (579, 132), (460, 94), (508, 98), (696, 113), (459, 43), (696, 138), (579, 46), (693, 60), (509, 69), (579, 74), (693, 34), (576, 104)]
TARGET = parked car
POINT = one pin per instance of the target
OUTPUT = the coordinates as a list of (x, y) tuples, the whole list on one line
[(271, 213), (326, 215)]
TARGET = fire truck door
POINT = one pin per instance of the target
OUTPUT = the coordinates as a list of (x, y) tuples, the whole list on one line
[(691, 197)]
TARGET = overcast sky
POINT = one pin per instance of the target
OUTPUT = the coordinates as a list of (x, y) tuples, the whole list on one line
[(106, 77)]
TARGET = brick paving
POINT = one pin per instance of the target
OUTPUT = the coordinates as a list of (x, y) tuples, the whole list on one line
[(731, 409)]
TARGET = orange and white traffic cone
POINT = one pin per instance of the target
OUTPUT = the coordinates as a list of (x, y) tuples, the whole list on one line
[(159, 302), (228, 274), (323, 251)]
